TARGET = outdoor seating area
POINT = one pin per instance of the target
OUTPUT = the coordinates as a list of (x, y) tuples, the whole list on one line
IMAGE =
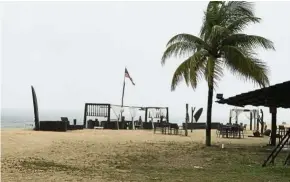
[(166, 128), (230, 131)]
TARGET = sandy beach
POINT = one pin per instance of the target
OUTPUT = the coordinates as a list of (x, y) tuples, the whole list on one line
[(23, 151)]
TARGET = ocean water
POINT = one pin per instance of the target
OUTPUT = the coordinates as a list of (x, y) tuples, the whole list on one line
[(25, 118), (16, 118)]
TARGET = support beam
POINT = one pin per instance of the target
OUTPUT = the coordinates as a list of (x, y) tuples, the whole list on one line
[(109, 112), (146, 114), (273, 111), (85, 115)]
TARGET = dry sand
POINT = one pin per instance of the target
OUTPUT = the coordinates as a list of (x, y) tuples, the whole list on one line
[(76, 147)]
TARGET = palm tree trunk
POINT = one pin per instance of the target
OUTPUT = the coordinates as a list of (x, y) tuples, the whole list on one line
[(208, 116)]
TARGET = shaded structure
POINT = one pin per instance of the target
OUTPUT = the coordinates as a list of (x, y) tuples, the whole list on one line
[(104, 110), (158, 112), (97, 110), (255, 118), (274, 96)]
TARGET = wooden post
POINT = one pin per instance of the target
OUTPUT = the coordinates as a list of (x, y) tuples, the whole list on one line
[(85, 115), (186, 120), (273, 111), (191, 117), (262, 122)]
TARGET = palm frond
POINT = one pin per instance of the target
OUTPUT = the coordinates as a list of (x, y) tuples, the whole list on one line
[(248, 41), (187, 38), (239, 24), (183, 45), (178, 49), (241, 63), (191, 70), (243, 8), (233, 11)]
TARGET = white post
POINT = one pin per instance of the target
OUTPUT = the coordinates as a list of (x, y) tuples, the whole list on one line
[(254, 118), (133, 124)]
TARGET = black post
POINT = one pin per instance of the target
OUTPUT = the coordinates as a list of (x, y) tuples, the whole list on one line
[(262, 122), (85, 115), (273, 111), (146, 114), (186, 120), (109, 113), (75, 122), (237, 116)]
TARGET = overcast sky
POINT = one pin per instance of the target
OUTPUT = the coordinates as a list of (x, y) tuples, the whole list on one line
[(76, 52)]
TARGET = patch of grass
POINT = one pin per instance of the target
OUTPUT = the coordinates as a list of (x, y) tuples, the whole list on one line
[(152, 161), (191, 162), (43, 165)]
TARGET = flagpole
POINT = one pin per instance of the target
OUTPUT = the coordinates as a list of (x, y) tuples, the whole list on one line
[(122, 102)]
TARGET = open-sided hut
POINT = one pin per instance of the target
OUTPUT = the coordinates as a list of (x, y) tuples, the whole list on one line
[(275, 96)]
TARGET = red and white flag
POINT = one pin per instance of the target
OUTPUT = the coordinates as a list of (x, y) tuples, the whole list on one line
[(128, 76)]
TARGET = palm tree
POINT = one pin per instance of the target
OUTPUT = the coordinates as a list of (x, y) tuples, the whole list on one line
[(221, 44)]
